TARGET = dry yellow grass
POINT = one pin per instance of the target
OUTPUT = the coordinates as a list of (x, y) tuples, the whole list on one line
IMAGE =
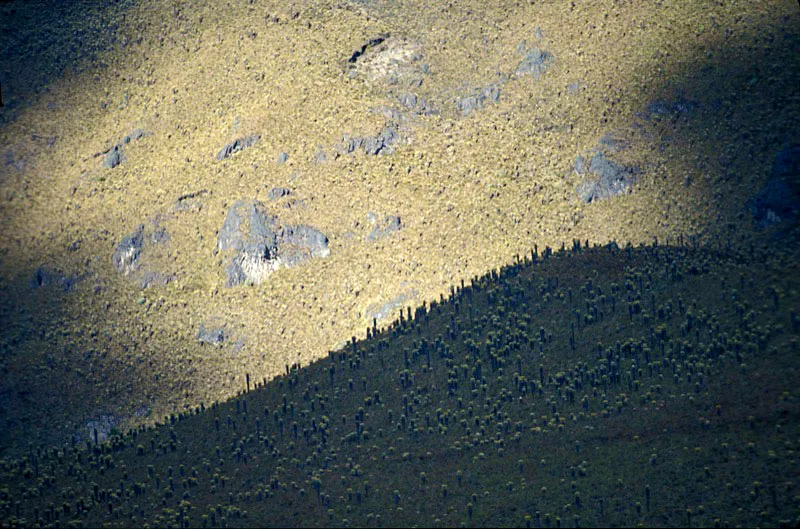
[(472, 192)]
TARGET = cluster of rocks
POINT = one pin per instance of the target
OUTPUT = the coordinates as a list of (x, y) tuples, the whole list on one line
[(484, 96), (601, 176), (535, 63), (381, 143), (261, 245), (416, 104)]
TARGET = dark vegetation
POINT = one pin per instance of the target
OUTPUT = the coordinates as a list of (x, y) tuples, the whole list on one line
[(590, 386)]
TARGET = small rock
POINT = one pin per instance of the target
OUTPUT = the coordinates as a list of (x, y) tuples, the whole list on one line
[(278, 192), (283, 158), (389, 225), (135, 135), (382, 143), (486, 95), (408, 100), (113, 158), (311, 241), (127, 253), (214, 336), (190, 201), (237, 145), (159, 235)]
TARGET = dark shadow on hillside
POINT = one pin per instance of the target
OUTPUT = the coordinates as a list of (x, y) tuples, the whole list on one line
[(568, 378), (41, 41), (729, 118)]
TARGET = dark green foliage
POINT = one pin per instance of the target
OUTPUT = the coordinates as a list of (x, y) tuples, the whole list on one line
[(529, 398)]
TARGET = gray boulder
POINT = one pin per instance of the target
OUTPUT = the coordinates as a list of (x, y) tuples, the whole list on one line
[(113, 158), (261, 245), (603, 178), (381, 143), (126, 255)]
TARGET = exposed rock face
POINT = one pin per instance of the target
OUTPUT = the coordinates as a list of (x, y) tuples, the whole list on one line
[(128, 252), (237, 145), (126, 255), (261, 244), (603, 178), (535, 63)]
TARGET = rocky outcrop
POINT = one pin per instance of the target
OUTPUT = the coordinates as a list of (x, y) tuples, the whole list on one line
[(489, 94), (260, 244), (381, 143), (237, 145), (127, 254), (602, 177)]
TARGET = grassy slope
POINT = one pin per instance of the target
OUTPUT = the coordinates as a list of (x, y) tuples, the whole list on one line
[(472, 192), (692, 396)]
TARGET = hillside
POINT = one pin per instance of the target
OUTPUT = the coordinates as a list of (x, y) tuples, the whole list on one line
[(609, 387), (196, 195)]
